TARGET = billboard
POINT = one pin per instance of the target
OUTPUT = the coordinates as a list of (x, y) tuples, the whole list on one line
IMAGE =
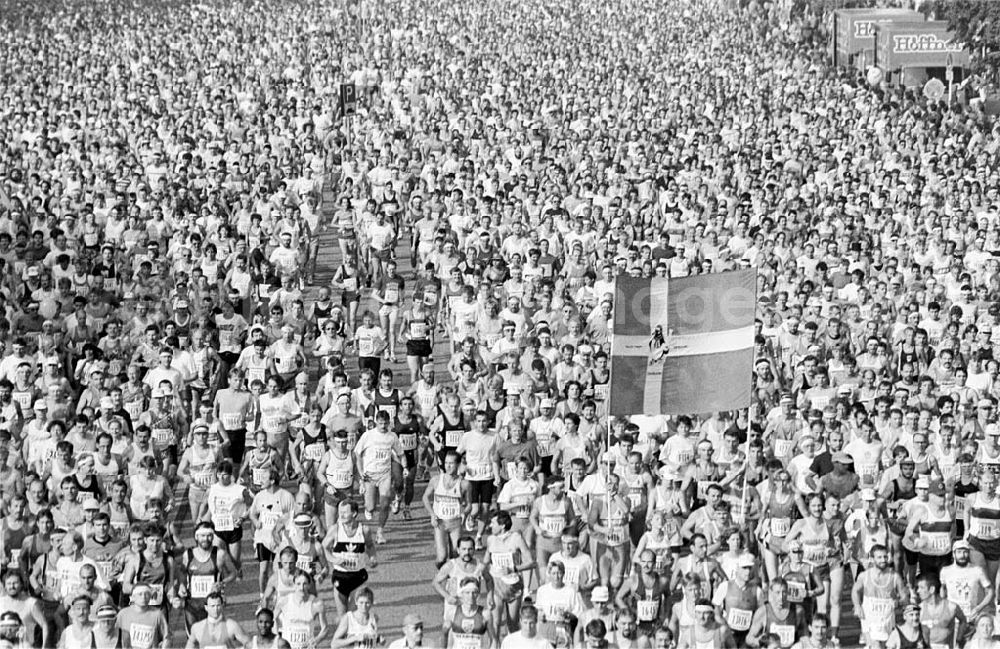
[(853, 32), (918, 45)]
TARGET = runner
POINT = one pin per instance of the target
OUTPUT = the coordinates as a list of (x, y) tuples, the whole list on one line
[(216, 629)]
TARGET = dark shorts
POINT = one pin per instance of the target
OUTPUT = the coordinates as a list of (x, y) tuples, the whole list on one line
[(929, 563), (264, 553), (230, 536), (348, 582), (373, 363), (421, 348), (481, 491)]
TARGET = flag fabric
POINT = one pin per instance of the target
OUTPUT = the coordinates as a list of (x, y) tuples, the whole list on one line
[(682, 345)]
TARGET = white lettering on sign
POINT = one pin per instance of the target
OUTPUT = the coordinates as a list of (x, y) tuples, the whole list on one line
[(864, 28), (907, 43)]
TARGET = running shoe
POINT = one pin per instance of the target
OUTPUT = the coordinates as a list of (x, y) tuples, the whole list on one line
[(380, 537)]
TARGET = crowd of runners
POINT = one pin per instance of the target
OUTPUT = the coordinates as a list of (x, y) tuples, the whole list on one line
[(173, 358)]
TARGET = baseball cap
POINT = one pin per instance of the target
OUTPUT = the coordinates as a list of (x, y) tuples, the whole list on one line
[(91, 503), (922, 482), (842, 458), (412, 619), (547, 403), (746, 561), (600, 594)]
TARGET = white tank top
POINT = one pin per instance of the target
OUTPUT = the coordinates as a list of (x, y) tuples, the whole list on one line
[(448, 500)]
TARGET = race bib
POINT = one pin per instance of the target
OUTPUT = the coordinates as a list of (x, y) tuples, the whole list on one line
[(453, 437), (163, 436), (780, 526), (480, 471), (408, 441), (349, 561), (233, 420), (269, 520), (601, 392), (366, 346), (467, 641), (814, 554), (447, 509), (418, 330), (782, 447), (739, 619), (785, 633), (202, 585), (867, 473), (224, 522), (616, 534), (314, 452), (260, 475), (134, 409), (350, 284), (647, 609), (141, 635), (986, 529), (937, 542), (204, 478), (796, 591), (298, 636), (880, 614), (552, 526)]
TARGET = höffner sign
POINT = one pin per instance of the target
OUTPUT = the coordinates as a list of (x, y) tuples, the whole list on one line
[(914, 43)]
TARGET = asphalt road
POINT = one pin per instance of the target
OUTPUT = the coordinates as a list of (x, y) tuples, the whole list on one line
[(402, 580)]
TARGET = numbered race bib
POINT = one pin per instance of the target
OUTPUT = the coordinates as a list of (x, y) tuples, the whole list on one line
[(202, 585), (366, 346), (304, 563), (269, 520), (480, 471), (134, 409), (453, 437), (647, 609), (616, 534), (814, 554), (739, 619), (986, 529), (392, 294), (447, 509), (260, 475), (785, 633), (780, 526), (314, 452), (224, 522), (204, 478), (880, 615), (418, 330), (936, 542), (552, 526), (408, 441), (703, 489), (960, 505), (163, 436), (782, 447), (684, 457), (350, 284), (298, 636), (233, 420), (349, 561), (601, 392), (467, 640), (141, 635), (867, 473), (796, 591)]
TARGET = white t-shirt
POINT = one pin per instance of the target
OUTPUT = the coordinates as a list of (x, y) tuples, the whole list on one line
[(517, 641)]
